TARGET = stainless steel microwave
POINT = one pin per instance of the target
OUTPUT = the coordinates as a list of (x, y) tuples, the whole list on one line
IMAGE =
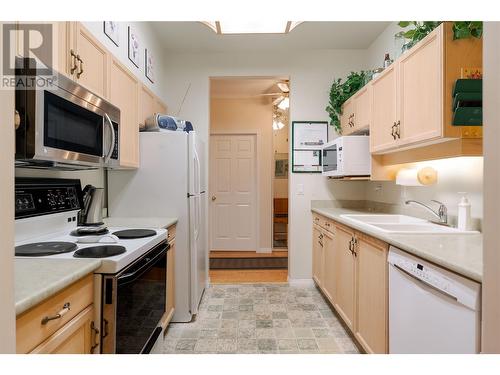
[(63, 125)]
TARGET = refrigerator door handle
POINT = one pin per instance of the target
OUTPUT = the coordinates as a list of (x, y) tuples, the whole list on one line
[(197, 172)]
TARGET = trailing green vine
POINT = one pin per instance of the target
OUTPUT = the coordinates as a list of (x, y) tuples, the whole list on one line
[(340, 92), (461, 30)]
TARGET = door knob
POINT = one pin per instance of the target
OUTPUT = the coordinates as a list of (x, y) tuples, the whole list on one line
[(213, 198)]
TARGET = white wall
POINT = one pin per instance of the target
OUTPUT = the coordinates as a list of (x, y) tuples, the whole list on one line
[(311, 73), (148, 39), (382, 45), (7, 315)]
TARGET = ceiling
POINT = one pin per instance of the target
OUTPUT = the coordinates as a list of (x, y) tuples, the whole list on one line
[(246, 87), (197, 37)]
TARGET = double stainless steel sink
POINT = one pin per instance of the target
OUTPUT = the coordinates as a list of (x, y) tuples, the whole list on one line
[(402, 224)]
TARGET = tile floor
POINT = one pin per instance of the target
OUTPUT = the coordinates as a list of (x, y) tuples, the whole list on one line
[(260, 318)]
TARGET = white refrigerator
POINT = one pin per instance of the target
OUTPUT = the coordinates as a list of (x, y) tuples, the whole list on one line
[(170, 182)]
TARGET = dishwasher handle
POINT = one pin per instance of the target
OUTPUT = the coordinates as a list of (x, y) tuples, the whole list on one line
[(401, 269)]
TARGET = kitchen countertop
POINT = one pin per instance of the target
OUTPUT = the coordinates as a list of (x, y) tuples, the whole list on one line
[(460, 253), (37, 279), (144, 222)]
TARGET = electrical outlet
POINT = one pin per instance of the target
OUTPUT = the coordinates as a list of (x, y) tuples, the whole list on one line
[(378, 188)]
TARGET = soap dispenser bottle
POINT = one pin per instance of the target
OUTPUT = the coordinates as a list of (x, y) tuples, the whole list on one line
[(464, 218)]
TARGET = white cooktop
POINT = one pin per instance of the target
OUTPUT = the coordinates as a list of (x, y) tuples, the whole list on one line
[(32, 230)]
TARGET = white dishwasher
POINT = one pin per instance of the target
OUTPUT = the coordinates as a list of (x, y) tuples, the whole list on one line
[(431, 310)]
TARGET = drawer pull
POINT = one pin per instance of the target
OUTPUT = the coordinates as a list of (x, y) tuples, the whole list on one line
[(59, 315)]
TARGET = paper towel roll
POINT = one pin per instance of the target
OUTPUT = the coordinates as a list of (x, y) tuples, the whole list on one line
[(416, 177)]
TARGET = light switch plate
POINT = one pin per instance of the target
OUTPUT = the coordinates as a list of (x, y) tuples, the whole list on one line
[(300, 189)]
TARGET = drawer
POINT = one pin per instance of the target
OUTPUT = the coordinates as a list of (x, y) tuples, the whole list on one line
[(171, 232), (323, 222), (30, 331)]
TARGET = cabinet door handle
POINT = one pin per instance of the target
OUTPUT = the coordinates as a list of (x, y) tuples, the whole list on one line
[(80, 72), (95, 331), (73, 61), (350, 246), (59, 315), (398, 129), (393, 130)]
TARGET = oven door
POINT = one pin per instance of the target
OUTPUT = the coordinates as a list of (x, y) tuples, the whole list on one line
[(134, 302), (331, 160)]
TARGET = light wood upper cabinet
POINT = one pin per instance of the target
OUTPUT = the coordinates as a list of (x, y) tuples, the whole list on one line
[(345, 293), (329, 263), (372, 294), (412, 100), (147, 104), (383, 125), (317, 256), (420, 87), (346, 119), (363, 108), (91, 63), (123, 93)]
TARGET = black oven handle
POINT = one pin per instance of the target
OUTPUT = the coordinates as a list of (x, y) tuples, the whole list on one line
[(132, 276)]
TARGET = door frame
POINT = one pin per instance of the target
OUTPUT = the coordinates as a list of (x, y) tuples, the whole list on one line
[(258, 148)]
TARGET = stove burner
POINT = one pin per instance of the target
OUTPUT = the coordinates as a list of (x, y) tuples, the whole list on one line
[(81, 233), (103, 251), (134, 233), (39, 249)]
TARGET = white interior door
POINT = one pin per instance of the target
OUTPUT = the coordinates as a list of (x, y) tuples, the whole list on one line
[(233, 192)]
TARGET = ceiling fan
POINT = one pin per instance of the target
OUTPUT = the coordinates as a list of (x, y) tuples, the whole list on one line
[(282, 100)]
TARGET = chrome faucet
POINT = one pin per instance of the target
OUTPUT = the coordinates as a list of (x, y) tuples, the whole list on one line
[(441, 213)]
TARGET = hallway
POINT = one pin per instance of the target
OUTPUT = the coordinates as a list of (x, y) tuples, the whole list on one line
[(260, 318)]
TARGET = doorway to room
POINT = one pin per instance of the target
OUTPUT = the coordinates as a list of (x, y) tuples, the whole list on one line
[(248, 179)]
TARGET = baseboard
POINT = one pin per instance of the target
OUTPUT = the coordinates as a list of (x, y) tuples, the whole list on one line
[(301, 282), (265, 250)]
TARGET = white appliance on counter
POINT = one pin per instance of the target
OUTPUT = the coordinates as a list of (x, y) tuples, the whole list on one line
[(170, 182), (347, 156), (431, 310)]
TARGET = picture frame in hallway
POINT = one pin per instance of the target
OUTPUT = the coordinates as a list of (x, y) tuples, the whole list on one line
[(281, 168), (112, 31), (308, 138)]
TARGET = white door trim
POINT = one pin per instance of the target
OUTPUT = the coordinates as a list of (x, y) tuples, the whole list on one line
[(258, 162)]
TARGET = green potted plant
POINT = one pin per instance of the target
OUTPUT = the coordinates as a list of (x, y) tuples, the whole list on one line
[(461, 30), (340, 92)]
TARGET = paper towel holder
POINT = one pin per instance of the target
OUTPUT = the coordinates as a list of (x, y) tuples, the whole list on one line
[(416, 176)]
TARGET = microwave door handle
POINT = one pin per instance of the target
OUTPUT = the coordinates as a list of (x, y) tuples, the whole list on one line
[(112, 146)]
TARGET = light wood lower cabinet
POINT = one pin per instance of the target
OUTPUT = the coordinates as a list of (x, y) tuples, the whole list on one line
[(76, 337), (61, 324), (372, 296), (329, 263), (317, 255), (350, 268), (344, 268), (170, 302)]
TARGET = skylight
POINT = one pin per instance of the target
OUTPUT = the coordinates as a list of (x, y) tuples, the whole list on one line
[(252, 27)]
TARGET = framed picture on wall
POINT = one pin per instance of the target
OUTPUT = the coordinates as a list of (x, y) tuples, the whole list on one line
[(149, 68), (281, 168), (134, 47), (112, 31)]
